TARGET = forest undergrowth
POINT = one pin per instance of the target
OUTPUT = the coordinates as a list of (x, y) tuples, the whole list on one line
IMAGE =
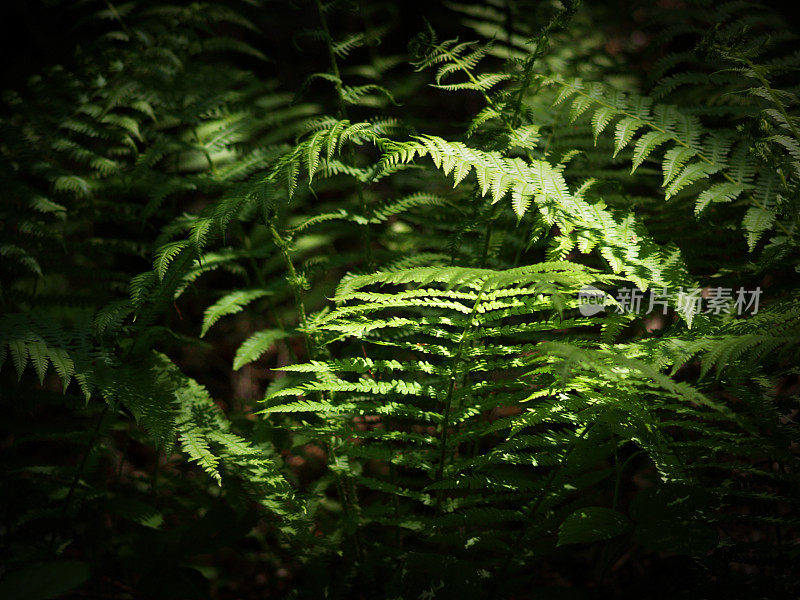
[(490, 300)]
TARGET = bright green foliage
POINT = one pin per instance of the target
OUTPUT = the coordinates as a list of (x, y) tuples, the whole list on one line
[(409, 291)]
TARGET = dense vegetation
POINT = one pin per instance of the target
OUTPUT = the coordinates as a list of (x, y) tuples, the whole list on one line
[(333, 300)]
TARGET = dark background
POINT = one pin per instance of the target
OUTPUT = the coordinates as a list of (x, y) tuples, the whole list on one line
[(37, 33)]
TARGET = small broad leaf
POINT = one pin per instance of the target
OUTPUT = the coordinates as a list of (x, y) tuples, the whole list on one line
[(592, 524)]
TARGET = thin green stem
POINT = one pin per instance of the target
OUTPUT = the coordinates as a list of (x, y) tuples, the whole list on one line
[(314, 349), (618, 479), (79, 471), (334, 63), (488, 99), (263, 285), (448, 405), (342, 111), (775, 101), (294, 283), (500, 578), (117, 17), (487, 237)]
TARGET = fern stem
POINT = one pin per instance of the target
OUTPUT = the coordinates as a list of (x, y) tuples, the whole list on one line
[(263, 284), (778, 103), (294, 283), (529, 515), (205, 151), (620, 471), (334, 63), (542, 44), (487, 237), (79, 472), (347, 492), (450, 391), (344, 486), (117, 17), (342, 113)]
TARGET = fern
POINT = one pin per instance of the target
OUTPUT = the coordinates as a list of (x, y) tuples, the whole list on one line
[(328, 314)]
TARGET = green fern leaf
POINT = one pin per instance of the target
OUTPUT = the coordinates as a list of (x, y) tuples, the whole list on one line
[(165, 255), (691, 173), (645, 146), (64, 365), (756, 221), (39, 355), (602, 116), (592, 524), (719, 192), (624, 132), (256, 345), (674, 159), (228, 305), (195, 444), (19, 355)]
